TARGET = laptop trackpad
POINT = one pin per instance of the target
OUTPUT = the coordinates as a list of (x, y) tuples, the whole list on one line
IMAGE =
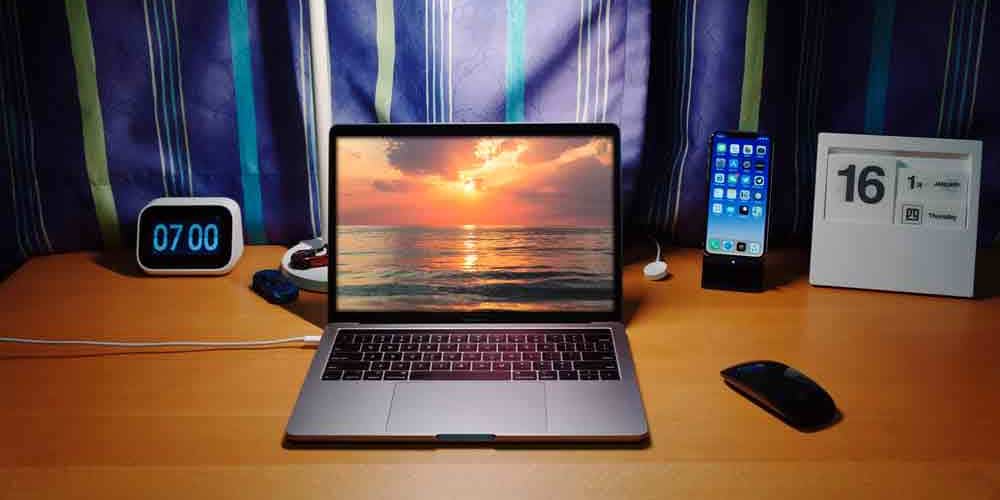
[(431, 408)]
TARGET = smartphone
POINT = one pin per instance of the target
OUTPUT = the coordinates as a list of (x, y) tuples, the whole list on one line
[(739, 188)]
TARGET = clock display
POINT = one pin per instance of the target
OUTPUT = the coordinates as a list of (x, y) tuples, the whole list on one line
[(191, 238), (185, 237)]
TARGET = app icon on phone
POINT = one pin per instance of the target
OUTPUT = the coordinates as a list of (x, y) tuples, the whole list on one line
[(747, 149), (744, 210), (730, 194), (727, 245), (759, 166), (761, 150), (758, 180), (734, 164), (719, 178), (734, 149), (746, 164), (721, 147), (745, 180), (713, 244), (734, 178), (758, 211), (741, 247), (717, 193), (757, 196), (720, 163), (744, 194), (755, 248), (716, 208)]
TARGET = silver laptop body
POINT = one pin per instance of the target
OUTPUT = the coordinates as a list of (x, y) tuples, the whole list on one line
[(448, 332)]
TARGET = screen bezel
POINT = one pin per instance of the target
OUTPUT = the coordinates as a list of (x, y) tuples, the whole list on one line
[(475, 130), (153, 214), (708, 191)]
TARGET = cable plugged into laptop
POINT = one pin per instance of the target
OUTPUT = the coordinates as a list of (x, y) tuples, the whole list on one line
[(309, 340)]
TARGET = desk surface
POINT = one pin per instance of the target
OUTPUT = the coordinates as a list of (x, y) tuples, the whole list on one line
[(915, 376)]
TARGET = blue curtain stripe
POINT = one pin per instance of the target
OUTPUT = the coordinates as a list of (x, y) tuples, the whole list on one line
[(878, 71), (246, 120)]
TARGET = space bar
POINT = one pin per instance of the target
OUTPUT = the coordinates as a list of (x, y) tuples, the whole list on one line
[(460, 375)]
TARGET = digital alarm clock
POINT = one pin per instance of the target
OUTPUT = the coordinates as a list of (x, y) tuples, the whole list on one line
[(189, 236)]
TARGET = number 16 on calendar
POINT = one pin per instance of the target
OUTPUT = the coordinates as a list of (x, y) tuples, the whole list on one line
[(898, 189)]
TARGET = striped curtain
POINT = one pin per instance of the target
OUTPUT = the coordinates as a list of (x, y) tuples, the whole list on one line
[(109, 104), (794, 69), (106, 105)]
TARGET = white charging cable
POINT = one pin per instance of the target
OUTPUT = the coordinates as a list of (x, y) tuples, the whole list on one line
[(308, 339)]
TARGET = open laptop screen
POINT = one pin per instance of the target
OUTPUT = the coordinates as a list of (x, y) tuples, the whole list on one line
[(483, 223)]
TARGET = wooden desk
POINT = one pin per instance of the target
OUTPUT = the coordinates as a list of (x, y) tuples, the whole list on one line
[(916, 377)]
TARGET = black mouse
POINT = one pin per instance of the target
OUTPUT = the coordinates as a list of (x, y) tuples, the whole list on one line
[(784, 392)]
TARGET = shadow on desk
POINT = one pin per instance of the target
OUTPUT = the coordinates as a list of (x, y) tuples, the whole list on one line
[(310, 306), (119, 262), (638, 445), (784, 266), (987, 273)]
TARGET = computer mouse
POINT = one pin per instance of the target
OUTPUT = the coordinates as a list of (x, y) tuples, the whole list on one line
[(274, 287), (784, 392)]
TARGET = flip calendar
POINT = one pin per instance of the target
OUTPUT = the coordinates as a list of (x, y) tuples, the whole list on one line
[(896, 213)]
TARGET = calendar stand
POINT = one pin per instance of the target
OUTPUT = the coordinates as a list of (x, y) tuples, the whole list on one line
[(896, 213)]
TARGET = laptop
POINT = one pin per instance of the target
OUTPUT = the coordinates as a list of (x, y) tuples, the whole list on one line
[(475, 289)]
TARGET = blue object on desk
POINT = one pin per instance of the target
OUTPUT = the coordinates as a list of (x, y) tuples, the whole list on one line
[(274, 287)]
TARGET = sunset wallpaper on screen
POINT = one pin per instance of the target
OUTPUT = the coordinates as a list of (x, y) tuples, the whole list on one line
[(474, 223)]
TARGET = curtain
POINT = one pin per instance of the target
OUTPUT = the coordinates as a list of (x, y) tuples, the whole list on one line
[(793, 69), (107, 105)]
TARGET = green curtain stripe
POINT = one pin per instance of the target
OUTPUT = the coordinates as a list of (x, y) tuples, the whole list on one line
[(385, 39), (246, 121), (515, 61), (753, 65), (94, 148)]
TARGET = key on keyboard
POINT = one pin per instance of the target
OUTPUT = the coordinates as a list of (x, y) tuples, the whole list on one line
[(385, 355)]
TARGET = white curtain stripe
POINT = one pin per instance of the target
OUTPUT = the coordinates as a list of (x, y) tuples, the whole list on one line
[(427, 74), (180, 92), (607, 60), (947, 64), (598, 52), (156, 104), (687, 118), (31, 130), (307, 132), (975, 78), (161, 71), (586, 76), (579, 61), (433, 88), (451, 106), (441, 69), (5, 106)]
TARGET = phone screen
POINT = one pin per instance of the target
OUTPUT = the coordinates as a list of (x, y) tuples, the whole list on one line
[(739, 182)]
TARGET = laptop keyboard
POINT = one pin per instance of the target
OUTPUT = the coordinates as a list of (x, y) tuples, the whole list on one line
[(563, 354)]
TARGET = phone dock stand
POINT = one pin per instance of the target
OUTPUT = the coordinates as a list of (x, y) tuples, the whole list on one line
[(727, 272)]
